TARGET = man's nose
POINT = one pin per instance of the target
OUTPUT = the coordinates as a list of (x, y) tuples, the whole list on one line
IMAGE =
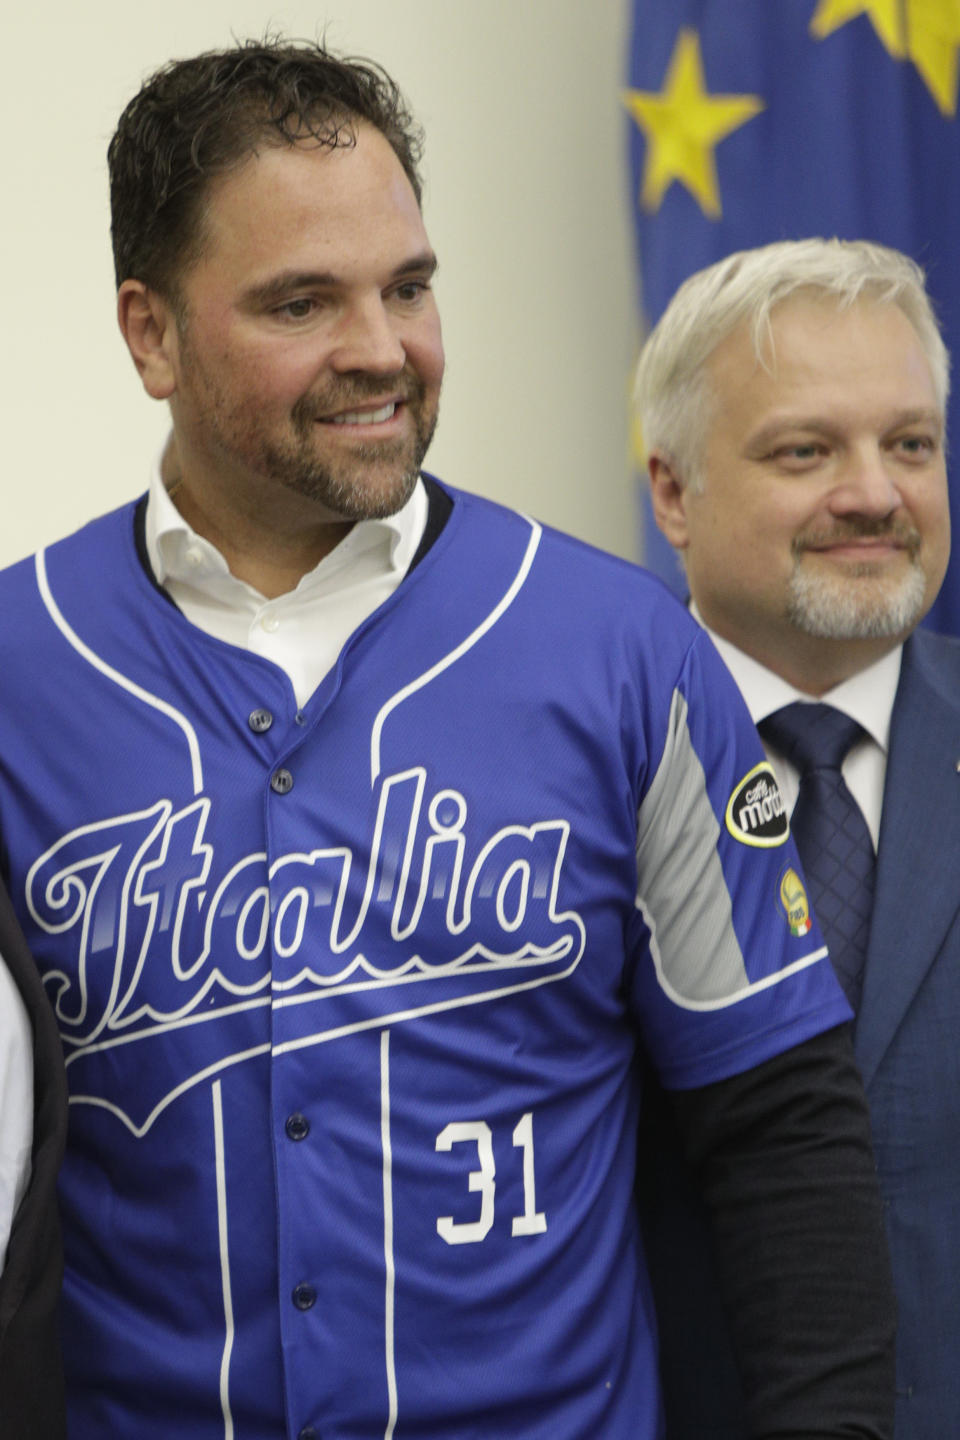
[(866, 485), (367, 339)]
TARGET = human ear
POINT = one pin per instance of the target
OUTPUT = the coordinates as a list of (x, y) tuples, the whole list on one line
[(148, 325), (668, 497)]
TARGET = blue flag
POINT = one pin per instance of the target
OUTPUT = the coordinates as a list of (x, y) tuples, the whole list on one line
[(760, 120)]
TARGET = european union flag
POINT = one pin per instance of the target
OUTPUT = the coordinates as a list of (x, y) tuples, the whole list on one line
[(754, 121)]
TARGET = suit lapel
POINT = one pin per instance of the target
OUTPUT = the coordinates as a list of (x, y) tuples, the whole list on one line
[(917, 894)]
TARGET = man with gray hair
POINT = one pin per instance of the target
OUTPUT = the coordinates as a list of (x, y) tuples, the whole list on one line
[(792, 401)]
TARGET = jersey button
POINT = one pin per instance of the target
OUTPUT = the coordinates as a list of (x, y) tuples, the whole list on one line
[(307, 1433), (304, 1296), (298, 1127), (281, 781), (259, 721)]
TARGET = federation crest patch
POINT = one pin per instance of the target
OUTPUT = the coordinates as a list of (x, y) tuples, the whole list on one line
[(755, 813), (794, 900)]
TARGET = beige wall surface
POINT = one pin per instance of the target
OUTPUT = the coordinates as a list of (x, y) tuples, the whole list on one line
[(526, 202)]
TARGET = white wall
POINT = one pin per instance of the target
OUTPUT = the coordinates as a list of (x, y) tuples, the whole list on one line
[(526, 202)]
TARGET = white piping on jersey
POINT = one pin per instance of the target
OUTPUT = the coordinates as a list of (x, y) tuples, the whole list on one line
[(743, 994), (219, 1066), (397, 1017), (495, 614), (222, 1064), (391, 1276), (219, 1151), (130, 686)]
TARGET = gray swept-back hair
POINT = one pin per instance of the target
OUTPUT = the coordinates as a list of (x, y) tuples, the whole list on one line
[(672, 392)]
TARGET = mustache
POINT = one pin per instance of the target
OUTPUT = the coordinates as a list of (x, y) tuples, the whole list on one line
[(862, 528), (354, 391)]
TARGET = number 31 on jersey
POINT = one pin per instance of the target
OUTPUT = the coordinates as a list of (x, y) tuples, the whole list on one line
[(478, 1132)]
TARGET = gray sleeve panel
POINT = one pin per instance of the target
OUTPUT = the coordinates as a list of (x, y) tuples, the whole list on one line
[(682, 890)]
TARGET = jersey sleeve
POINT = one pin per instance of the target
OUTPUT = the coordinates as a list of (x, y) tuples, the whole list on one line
[(728, 965)]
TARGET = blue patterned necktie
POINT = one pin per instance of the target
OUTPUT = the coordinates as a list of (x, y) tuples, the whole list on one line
[(831, 834)]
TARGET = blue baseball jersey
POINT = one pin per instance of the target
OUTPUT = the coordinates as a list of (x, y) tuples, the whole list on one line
[(352, 996)]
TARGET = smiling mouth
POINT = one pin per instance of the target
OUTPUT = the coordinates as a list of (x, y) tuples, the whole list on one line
[(858, 547), (364, 417), (863, 543)]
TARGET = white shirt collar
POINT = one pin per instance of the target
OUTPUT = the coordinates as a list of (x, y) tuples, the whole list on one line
[(177, 553), (867, 696)]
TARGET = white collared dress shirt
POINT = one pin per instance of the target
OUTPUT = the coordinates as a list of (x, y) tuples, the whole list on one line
[(303, 631)]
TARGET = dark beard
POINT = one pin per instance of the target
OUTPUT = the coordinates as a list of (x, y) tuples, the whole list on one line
[(378, 478)]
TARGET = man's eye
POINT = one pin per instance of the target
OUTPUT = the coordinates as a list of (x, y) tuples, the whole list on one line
[(800, 454), (411, 290), (297, 309), (917, 447)]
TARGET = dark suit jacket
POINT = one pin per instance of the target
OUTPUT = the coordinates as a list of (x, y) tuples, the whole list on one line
[(31, 1369), (907, 1041)]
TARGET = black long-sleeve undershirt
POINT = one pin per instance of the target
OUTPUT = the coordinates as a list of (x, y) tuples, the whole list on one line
[(782, 1159)]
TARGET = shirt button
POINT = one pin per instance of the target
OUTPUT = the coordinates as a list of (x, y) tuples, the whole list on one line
[(259, 721), (304, 1296), (307, 1433), (281, 781), (270, 623), (297, 1127), (195, 556)]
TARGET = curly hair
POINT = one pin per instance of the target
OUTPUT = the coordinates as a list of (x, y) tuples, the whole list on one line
[(196, 119)]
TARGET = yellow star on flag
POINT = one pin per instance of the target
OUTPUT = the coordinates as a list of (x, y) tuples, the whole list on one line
[(683, 125), (924, 31), (933, 35), (886, 15)]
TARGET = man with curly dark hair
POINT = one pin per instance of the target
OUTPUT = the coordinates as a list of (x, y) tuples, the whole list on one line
[(203, 117), (371, 830)]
